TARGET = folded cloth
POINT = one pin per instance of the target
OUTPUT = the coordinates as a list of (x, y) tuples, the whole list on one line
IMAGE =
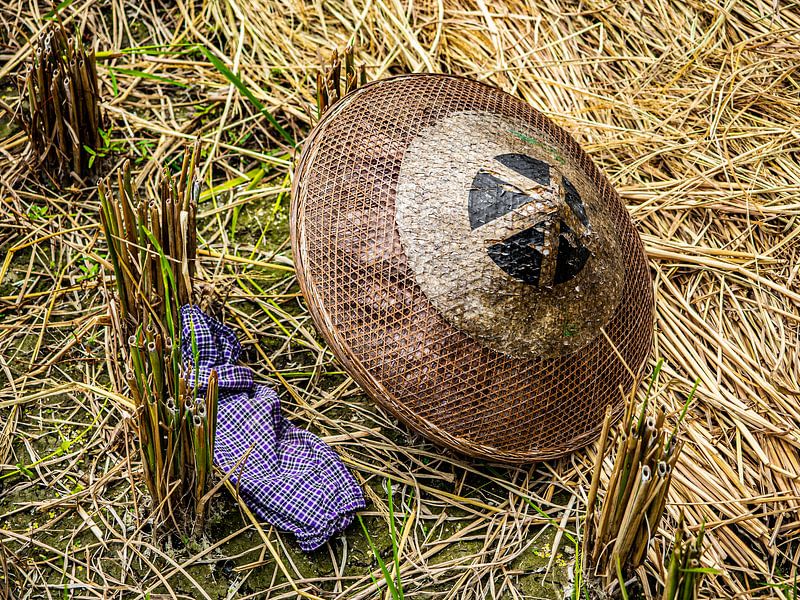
[(289, 477)]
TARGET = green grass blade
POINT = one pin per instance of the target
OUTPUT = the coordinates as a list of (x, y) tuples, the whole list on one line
[(653, 379), (168, 280), (550, 519), (234, 79), (622, 589), (149, 50), (61, 6), (393, 535), (386, 575), (683, 412), (143, 75)]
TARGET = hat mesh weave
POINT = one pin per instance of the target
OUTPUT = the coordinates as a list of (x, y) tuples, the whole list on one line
[(367, 304)]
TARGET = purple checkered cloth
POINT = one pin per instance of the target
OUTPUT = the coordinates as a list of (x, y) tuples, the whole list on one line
[(290, 478)]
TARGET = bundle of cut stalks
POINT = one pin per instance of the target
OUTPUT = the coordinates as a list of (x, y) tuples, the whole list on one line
[(683, 570), (636, 496), (330, 79), (152, 244), (63, 114), (152, 247)]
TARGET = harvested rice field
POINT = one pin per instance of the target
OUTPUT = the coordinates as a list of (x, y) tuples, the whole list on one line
[(691, 109)]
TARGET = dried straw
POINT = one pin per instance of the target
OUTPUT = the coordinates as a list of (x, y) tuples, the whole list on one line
[(688, 107)]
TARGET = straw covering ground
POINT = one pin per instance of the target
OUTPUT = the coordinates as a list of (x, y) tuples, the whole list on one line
[(691, 109)]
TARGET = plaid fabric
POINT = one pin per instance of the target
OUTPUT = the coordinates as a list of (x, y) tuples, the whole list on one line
[(290, 478)]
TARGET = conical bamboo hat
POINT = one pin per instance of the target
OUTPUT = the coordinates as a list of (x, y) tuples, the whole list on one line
[(469, 265)]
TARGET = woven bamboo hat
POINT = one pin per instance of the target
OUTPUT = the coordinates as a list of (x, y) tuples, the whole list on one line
[(469, 265)]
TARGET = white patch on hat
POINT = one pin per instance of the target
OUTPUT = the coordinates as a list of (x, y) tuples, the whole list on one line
[(506, 239)]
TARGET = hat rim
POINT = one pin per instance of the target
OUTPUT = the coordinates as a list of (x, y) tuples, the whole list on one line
[(354, 366)]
